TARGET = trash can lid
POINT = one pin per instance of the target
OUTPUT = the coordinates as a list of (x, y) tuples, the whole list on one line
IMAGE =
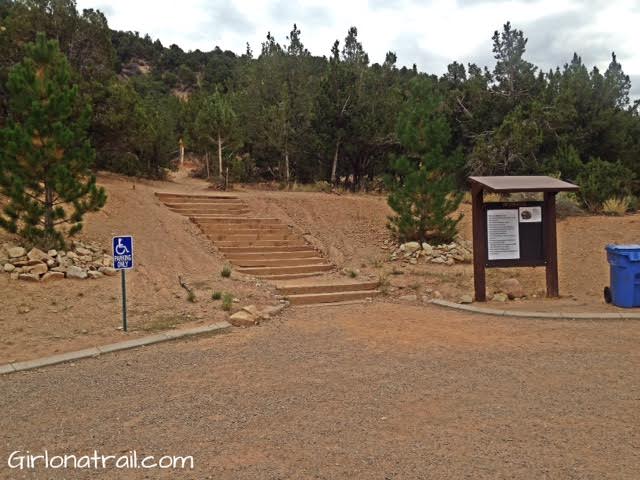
[(630, 247)]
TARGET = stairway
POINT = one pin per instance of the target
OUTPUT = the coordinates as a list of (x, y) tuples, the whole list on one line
[(265, 248)]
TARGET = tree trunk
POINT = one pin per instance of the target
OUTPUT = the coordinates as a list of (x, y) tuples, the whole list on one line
[(334, 166), (287, 175), (48, 208), (206, 162), (219, 155)]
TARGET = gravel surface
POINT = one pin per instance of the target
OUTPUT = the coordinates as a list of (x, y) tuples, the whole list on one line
[(375, 391)]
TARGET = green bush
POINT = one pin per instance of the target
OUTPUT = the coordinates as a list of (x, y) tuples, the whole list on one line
[(216, 295), (600, 180), (226, 271)]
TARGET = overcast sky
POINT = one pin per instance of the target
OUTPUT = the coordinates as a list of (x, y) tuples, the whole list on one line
[(430, 33)]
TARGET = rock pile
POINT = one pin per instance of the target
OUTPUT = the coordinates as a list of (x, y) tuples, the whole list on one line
[(414, 252), (82, 261)]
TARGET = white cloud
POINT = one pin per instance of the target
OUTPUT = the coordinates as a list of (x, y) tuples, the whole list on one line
[(431, 33)]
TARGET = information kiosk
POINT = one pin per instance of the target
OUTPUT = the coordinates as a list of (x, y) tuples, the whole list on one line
[(515, 234)]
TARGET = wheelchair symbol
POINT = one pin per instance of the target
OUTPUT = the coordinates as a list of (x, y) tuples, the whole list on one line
[(121, 249)]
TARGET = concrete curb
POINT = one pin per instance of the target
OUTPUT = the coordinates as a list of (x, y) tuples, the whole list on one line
[(113, 347), (547, 315)]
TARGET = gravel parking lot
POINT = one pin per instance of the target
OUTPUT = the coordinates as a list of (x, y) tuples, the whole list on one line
[(376, 391)]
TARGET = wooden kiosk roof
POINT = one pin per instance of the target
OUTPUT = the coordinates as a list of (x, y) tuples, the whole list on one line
[(512, 184)]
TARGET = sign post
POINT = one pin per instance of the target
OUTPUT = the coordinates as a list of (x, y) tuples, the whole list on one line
[(515, 234), (123, 261)]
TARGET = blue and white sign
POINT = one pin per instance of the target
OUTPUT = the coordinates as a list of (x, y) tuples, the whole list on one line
[(123, 252)]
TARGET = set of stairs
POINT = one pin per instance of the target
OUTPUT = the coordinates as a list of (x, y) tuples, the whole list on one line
[(265, 248)]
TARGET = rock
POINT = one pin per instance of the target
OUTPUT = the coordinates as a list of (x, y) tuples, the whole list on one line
[(16, 252), (466, 299), (52, 276), (52, 253), (14, 275), (51, 263), (427, 249), (37, 254), (29, 277), (93, 274), (9, 267), (83, 251), (59, 269), (37, 269), (242, 319), (500, 297), (26, 263), (450, 261), (438, 260), (410, 247), (252, 310), (512, 288), (413, 261), (409, 298), (72, 255), (23, 309), (437, 294), (76, 272), (108, 271)]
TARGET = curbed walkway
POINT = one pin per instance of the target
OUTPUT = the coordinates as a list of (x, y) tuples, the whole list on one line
[(113, 347), (548, 315)]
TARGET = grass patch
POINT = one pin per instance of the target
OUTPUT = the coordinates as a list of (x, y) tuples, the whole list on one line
[(191, 296), (216, 295), (166, 322), (226, 271), (227, 302)]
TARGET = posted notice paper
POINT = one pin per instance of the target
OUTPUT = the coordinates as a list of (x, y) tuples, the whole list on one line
[(503, 237)]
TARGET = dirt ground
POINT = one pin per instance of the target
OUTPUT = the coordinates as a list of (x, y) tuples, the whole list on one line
[(372, 391), (350, 229)]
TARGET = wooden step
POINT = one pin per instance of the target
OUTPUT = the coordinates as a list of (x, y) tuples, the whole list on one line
[(290, 276), (265, 249), (278, 262), (301, 289), (233, 257), (311, 298), (262, 243), (211, 211), (249, 238), (244, 231), (231, 220), (319, 267), (194, 197), (225, 204)]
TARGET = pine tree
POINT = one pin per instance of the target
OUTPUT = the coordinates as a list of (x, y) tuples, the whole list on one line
[(46, 157), (422, 186)]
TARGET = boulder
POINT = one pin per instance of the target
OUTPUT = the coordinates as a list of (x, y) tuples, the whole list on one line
[(16, 252), (438, 260), (37, 254), (52, 253), (29, 277), (76, 272), (108, 271), (52, 276), (37, 269), (93, 274), (410, 247), (242, 319), (72, 255), (83, 251), (253, 310), (466, 299), (500, 297), (512, 288), (427, 249), (9, 267), (409, 298)]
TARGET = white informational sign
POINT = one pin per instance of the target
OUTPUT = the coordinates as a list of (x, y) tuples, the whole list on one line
[(503, 237), (531, 214)]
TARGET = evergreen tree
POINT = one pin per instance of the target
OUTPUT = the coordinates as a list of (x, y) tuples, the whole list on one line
[(46, 159), (422, 187)]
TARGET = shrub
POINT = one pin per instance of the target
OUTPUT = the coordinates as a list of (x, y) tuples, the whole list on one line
[(616, 206), (227, 302), (568, 205), (226, 271), (191, 296), (601, 180), (216, 295)]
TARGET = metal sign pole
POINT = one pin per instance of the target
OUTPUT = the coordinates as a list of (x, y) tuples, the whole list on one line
[(124, 300)]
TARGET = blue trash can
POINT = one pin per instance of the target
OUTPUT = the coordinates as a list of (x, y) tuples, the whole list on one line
[(624, 261)]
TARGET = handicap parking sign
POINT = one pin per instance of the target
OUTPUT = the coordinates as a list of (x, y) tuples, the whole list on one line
[(123, 252)]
